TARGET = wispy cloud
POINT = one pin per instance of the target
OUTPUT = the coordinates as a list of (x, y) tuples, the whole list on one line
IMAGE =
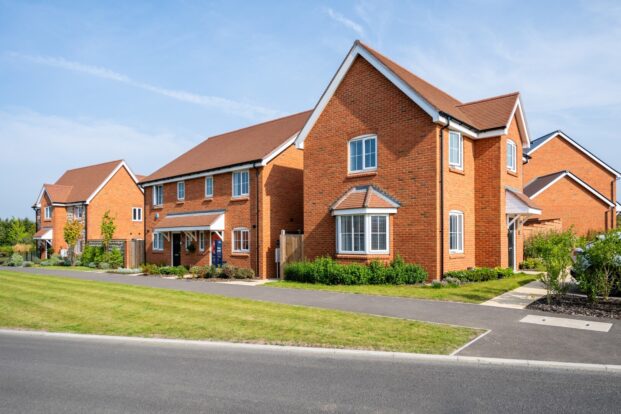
[(230, 106), (350, 24)]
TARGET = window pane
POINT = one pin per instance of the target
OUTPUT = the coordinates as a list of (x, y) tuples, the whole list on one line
[(358, 228), (209, 186), (369, 153), (355, 155), (346, 233), (455, 149), (378, 233)]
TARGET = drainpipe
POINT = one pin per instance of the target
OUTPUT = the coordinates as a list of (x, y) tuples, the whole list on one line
[(448, 121), (256, 169), (144, 225)]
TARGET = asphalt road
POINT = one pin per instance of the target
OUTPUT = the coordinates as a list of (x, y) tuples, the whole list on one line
[(508, 338), (59, 375)]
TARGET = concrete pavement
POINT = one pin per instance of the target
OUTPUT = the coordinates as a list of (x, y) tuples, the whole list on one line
[(509, 338), (41, 375)]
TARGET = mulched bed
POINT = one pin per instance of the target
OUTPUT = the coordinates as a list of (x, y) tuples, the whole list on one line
[(578, 305)]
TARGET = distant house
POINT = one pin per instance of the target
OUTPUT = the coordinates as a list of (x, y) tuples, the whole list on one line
[(395, 166), (571, 185), (85, 194), (227, 199)]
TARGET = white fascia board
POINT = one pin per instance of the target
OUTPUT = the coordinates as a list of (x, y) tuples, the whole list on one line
[(522, 118), (199, 175), (38, 202), (457, 127), (579, 181), (279, 150), (181, 229), (355, 51), (578, 146), (352, 211)]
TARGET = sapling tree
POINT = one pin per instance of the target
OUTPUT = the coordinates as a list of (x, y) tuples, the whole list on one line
[(71, 233), (107, 229)]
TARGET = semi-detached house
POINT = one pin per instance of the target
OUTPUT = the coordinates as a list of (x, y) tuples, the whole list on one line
[(395, 166), (227, 199)]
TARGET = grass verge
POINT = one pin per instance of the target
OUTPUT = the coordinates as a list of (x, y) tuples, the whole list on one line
[(470, 293), (69, 305), (70, 268)]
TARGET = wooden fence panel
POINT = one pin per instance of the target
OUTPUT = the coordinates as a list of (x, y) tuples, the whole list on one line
[(291, 250)]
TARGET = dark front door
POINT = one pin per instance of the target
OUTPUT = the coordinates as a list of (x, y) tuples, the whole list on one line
[(216, 252), (512, 245), (176, 249)]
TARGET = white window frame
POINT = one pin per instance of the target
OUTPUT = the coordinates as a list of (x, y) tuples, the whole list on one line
[(209, 179), (511, 149), (188, 242), (156, 189), (78, 212), (201, 241), (180, 189), (363, 138), (240, 174), (234, 240), (47, 213), (459, 215), (459, 163), (367, 234), (158, 242), (137, 214)]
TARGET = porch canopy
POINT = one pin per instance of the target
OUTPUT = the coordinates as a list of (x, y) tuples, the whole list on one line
[(519, 204), (192, 221), (45, 233)]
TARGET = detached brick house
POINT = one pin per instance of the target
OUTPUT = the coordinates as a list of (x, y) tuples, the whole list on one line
[(572, 186), (393, 165), (85, 194), (227, 199)]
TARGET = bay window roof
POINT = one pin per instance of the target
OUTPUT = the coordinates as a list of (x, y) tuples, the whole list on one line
[(366, 197)]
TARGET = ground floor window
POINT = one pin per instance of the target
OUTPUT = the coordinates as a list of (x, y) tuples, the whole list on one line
[(456, 232), (188, 241), (241, 240), (362, 233), (158, 241), (201, 241)]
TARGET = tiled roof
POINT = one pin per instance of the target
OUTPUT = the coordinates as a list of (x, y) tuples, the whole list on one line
[(41, 234), (366, 196), (524, 199), (249, 144), (539, 183), (79, 184), (489, 113)]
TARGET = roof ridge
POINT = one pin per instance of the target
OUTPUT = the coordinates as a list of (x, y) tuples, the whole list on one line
[(254, 125), (490, 98), (96, 165)]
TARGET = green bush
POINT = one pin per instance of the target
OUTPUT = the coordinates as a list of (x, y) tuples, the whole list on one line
[(479, 274), (598, 266), (244, 273), (91, 254), (228, 271), (150, 269), (533, 263), (16, 260), (113, 257), (27, 264), (104, 265), (327, 271), (178, 271)]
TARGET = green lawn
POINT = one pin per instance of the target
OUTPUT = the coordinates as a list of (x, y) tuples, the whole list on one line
[(73, 268), (69, 305), (471, 293)]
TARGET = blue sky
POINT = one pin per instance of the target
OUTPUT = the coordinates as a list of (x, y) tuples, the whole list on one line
[(87, 82)]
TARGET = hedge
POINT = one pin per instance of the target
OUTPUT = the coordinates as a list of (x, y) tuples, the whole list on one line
[(480, 274), (327, 271)]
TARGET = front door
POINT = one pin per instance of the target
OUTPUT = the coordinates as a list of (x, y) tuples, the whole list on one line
[(216, 252), (176, 249), (512, 245)]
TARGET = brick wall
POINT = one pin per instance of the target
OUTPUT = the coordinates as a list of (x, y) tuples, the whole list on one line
[(119, 195)]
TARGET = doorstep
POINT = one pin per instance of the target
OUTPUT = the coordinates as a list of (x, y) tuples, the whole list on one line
[(518, 298)]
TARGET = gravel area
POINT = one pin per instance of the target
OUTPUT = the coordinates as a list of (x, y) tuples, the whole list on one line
[(579, 305)]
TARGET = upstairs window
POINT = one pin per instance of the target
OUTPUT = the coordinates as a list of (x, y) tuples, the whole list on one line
[(136, 214), (456, 232), (48, 212), (241, 240), (363, 154), (181, 190), (208, 187), (79, 212), (456, 150), (511, 156), (240, 184), (158, 195)]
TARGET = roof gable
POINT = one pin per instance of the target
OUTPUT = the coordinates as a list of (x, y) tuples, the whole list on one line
[(540, 184), (480, 119), (541, 141)]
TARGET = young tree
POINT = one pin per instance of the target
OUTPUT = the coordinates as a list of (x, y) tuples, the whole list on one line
[(17, 232), (71, 233), (107, 229)]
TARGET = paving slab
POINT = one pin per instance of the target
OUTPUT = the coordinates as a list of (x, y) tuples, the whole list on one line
[(519, 298)]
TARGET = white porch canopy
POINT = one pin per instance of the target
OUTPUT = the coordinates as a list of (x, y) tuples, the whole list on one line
[(44, 234)]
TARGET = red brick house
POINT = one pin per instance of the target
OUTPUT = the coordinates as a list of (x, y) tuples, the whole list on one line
[(227, 199), (85, 194), (570, 184), (394, 165)]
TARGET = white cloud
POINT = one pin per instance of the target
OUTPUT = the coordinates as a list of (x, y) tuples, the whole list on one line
[(229, 106), (339, 18), (38, 148)]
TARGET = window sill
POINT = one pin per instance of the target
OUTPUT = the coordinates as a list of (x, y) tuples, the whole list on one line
[(243, 198), (362, 174), (208, 199), (362, 256), (513, 173), (457, 171), (457, 255), (178, 202), (240, 254), (158, 207), (157, 251)]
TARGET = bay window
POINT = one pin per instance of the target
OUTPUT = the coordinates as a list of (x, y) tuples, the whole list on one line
[(362, 234)]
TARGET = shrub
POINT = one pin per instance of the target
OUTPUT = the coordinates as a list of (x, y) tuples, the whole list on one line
[(244, 273), (452, 281), (16, 260), (91, 254), (103, 265), (36, 260), (228, 271), (113, 257), (533, 263), (124, 271), (479, 274), (27, 264), (77, 263), (327, 271), (178, 271), (150, 269), (598, 266), (92, 265)]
